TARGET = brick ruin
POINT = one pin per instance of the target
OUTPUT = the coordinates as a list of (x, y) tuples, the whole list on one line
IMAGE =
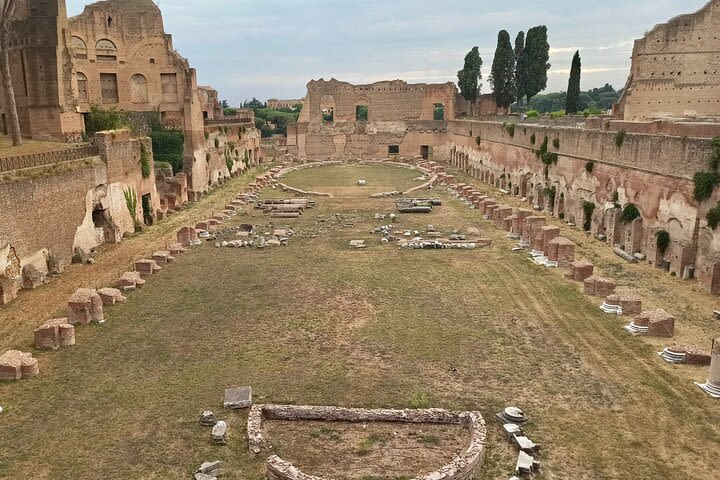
[(674, 70)]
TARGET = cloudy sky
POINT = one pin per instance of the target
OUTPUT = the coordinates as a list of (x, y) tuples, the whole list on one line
[(272, 48)]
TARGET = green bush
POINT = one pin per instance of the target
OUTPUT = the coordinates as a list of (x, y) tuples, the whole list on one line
[(713, 217), (532, 114), (556, 143), (589, 166), (229, 162), (620, 138), (714, 161), (547, 157), (102, 119), (145, 168), (592, 112), (557, 114), (131, 204), (663, 240), (630, 213), (533, 139), (510, 128), (550, 193), (588, 209), (168, 146), (705, 183)]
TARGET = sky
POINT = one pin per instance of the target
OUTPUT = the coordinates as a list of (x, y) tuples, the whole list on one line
[(273, 48)]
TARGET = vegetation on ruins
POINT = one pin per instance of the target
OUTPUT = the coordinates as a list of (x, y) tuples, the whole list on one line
[(469, 78), (271, 122), (629, 213), (8, 10), (620, 138), (589, 166), (102, 119), (616, 199), (519, 74), (533, 138), (131, 204), (544, 154), (229, 162), (556, 143), (572, 100), (532, 114), (663, 240), (502, 74), (713, 216), (558, 114), (147, 210), (705, 182), (550, 193), (588, 209), (230, 111), (168, 146), (217, 142), (478, 139), (145, 168), (536, 56), (509, 127)]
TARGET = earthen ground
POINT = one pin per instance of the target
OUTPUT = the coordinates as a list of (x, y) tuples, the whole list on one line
[(317, 322), (29, 147)]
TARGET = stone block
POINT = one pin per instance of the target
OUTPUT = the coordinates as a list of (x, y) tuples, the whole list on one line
[(111, 296), (561, 250), (204, 225), (176, 248), (659, 323), (631, 304), (67, 335), (32, 277), (238, 397), (130, 281), (186, 235), (15, 365), (47, 335), (85, 306), (162, 257), (147, 267), (219, 433), (8, 290), (580, 270), (598, 286)]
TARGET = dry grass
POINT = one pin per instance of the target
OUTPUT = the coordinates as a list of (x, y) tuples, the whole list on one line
[(319, 323), (30, 146)]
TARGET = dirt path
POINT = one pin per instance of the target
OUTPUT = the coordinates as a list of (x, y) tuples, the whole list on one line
[(33, 307)]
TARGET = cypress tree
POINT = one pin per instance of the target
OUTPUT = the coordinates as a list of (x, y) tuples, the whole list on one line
[(537, 54), (573, 91), (519, 67), (502, 71), (469, 78)]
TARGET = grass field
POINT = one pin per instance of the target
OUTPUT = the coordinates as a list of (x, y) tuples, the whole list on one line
[(319, 323)]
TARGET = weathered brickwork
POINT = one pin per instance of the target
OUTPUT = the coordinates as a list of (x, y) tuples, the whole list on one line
[(675, 69)]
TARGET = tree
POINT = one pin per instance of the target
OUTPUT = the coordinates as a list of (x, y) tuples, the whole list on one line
[(519, 67), (469, 78), (573, 91), (224, 104), (502, 71), (8, 10), (537, 54)]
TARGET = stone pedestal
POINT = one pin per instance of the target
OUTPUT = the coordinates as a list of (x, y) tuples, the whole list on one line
[(85, 306), (47, 335)]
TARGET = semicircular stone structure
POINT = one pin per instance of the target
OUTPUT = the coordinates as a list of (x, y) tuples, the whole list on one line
[(462, 467)]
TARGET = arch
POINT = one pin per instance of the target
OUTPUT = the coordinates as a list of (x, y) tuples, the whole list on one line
[(139, 88), (105, 50), (82, 83), (327, 108), (79, 47)]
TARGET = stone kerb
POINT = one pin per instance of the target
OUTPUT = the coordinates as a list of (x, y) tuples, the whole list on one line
[(463, 466)]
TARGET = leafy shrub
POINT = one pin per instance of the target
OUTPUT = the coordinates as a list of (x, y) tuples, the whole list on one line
[(620, 138), (144, 161), (510, 127), (102, 119), (663, 240), (588, 209), (207, 136), (557, 114), (630, 213), (229, 162), (713, 216), (533, 139), (168, 146), (532, 114), (592, 112), (547, 157), (556, 142), (589, 166), (550, 193), (131, 204), (714, 161), (705, 183)]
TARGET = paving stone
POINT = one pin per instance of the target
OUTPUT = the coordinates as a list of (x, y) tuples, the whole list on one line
[(238, 397)]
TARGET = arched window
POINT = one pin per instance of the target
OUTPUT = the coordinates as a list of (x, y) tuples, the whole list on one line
[(106, 50), (79, 47), (139, 88), (82, 87)]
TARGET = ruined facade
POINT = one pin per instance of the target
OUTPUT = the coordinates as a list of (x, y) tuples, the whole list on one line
[(676, 69), (276, 103)]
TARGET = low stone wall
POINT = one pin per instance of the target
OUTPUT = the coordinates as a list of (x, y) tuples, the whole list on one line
[(463, 467), (47, 158)]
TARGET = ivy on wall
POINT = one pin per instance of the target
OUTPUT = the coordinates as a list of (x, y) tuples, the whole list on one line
[(168, 147)]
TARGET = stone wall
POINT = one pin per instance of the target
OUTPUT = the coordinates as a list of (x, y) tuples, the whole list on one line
[(675, 69), (386, 101), (78, 203), (47, 158)]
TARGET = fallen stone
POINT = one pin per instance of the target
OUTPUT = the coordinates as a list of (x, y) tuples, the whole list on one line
[(207, 418), (47, 335), (238, 397), (204, 476), (81, 256), (208, 467), (473, 231), (85, 306), (15, 365), (219, 433), (32, 277), (111, 296)]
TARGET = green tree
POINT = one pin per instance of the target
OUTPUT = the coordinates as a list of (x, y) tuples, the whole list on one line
[(101, 119), (224, 104), (572, 99), (537, 54), (502, 71), (519, 81), (469, 78)]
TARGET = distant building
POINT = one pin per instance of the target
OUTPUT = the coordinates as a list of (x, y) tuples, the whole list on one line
[(275, 103)]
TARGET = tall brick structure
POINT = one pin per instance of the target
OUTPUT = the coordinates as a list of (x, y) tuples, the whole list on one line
[(675, 70)]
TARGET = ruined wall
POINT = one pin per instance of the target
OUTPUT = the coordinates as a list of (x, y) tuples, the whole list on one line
[(386, 101), (210, 102), (52, 210), (676, 69), (40, 67)]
